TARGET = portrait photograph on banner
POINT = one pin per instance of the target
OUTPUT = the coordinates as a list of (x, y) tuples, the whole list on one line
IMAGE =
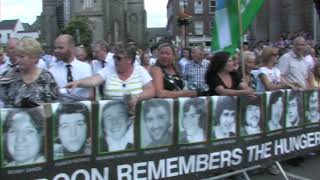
[(71, 129), (224, 117), (294, 111), (116, 127), (275, 114), (156, 123), (23, 138), (251, 116), (193, 120), (311, 106)]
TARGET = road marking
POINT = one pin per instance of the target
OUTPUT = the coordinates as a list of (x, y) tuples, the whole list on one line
[(297, 176)]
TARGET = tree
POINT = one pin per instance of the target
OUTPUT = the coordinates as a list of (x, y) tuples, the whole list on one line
[(78, 27)]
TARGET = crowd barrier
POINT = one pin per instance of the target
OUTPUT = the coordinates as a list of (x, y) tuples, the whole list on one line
[(166, 139)]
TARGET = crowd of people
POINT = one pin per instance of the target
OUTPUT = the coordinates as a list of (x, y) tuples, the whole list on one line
[(30, 78)]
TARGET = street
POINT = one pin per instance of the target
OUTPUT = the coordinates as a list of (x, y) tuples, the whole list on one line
[(307, 171)]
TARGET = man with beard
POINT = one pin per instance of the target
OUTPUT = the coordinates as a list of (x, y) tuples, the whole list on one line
[(157, 119), (252, 119), (313, 114), (226, 107), (72, 129), (116, 127), (68, 69)]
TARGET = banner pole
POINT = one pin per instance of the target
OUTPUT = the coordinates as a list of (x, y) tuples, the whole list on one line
[(282, 170), (243, 68)]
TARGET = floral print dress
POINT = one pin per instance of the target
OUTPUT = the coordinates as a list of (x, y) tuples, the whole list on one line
[(13, 90)]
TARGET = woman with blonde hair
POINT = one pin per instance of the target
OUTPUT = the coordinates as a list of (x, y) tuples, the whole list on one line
[(27, 84), (166, 79), (269, 77), (315, 76)]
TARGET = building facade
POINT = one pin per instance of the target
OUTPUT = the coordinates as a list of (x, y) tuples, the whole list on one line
[(111, 20), (275, 18), (16, 29), (283, 16), (198, 32)]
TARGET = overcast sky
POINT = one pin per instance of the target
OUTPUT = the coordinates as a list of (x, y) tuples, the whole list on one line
[(28, 10)]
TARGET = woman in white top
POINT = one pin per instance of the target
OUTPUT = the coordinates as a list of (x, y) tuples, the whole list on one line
[(124, 79), (269, 77)]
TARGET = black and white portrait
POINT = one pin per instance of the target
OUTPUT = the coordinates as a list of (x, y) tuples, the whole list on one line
[(156, 123), (193, 120), (23, 135), (72, 123), (294, 113), (311, 104), (116, 128), (224, 120), (251, 116), (275, 116)]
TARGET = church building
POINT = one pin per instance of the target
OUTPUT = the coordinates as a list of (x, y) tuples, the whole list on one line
[(110, 20)]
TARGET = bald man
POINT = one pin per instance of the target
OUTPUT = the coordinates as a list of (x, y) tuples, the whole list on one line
[(293, 65), (68, 69)]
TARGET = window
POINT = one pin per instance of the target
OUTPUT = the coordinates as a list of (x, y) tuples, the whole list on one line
[(212, 6), (198, 6), (198, 27), (8, 35)]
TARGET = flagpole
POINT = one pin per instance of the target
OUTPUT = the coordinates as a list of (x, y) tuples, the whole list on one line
[(315, 15), (243, 68)]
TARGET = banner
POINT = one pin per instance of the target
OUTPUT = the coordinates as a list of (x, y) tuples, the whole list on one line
[(226, 31), (180, 138)]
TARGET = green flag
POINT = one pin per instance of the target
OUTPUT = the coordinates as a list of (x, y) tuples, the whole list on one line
[(226, 30)]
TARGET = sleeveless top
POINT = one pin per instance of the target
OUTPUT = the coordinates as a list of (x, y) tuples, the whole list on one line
[(171, 82)]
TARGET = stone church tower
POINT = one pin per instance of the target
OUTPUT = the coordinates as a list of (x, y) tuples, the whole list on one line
[(110, 20), (49, 25), (136, 21)]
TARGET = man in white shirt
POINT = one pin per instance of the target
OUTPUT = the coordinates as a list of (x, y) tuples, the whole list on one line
[(293, 66), (103, 56), (68, 69)]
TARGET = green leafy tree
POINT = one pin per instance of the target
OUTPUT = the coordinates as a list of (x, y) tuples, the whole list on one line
[(78, 27)]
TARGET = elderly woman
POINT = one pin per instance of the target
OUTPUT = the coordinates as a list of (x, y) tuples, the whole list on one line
[(250, 66), (167, 81), (28, 84), (124, 79), (24, 137)]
